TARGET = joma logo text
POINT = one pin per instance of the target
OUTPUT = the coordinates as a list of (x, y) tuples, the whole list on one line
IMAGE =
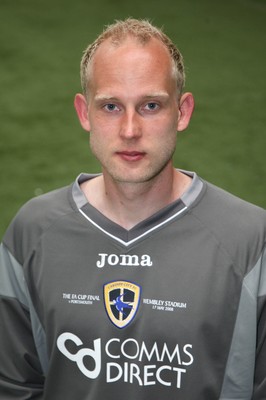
[(127, 260)]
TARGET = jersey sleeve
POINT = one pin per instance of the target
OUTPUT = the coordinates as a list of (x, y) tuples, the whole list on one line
[(21, 373), (260, 366)]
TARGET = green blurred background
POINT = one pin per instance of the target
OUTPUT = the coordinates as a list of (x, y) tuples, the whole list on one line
[(42, 145)]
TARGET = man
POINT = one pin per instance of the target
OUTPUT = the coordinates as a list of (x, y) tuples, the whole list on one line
[(145, 281)]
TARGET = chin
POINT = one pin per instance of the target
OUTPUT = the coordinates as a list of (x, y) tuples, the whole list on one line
[(134, 178)]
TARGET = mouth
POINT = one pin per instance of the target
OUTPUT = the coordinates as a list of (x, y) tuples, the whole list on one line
[(131, 155)]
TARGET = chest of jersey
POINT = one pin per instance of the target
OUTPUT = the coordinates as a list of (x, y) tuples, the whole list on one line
[(147, 316)]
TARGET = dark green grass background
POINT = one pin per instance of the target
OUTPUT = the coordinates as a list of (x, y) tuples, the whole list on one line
[(42, 145)]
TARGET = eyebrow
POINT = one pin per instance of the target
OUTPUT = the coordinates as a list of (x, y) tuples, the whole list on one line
[(103, 97), (157, 94), (152, 95)]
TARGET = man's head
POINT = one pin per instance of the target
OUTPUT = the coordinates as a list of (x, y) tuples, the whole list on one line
[(143, 31), (133, 107)]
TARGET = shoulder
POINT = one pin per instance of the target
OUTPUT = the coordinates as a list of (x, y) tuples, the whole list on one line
[(238, 226), (43, 209), (35, 217), (232, 209)]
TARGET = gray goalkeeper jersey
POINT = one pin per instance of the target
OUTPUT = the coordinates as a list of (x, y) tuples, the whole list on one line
[(174, 308)]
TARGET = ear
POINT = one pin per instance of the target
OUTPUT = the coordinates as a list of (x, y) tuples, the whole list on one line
[(81, 107), (186, 107)]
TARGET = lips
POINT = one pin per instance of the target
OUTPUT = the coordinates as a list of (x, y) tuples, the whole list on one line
[(131, 155)]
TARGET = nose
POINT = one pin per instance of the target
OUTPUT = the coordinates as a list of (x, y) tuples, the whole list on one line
[(130, 126)]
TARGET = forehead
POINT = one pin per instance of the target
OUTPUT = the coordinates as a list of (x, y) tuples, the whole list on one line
[(131, 60)]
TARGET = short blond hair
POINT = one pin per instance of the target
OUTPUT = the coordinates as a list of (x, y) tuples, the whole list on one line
[(143, 31)]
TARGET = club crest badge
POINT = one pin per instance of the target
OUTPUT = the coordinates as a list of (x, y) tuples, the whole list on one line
[(121, 300)]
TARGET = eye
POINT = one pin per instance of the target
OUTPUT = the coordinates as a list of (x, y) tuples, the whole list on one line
[(151, 106), (110, 107)]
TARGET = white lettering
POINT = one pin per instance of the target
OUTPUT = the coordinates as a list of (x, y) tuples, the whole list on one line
[(146, 261), (113, 259), (191, 358), (127, 260), (124, 352), (178, 376), (149, 354), (153, 302), (158, 375), (134, 373), (147, 374), (78, 357), (166, 352), (108, 372), (138, 372), (107, 348), (175, 304), (126, 372), (101, 263)]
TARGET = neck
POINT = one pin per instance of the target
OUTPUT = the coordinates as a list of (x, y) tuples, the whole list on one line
[(127, 204)]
